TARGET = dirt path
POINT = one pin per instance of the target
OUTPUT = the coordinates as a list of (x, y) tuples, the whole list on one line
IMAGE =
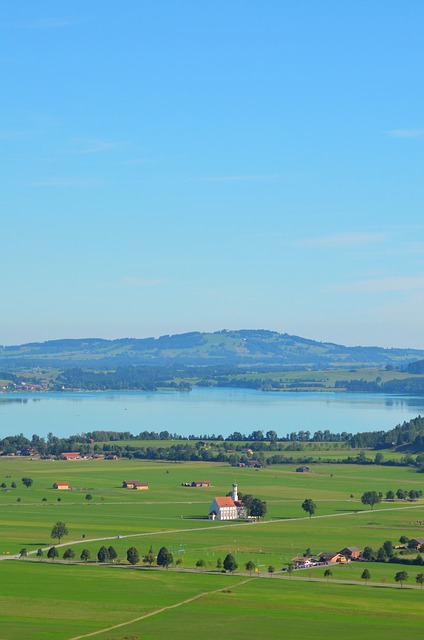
[(155, 613)]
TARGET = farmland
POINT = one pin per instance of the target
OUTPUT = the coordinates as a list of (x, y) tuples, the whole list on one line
[(174, 516)]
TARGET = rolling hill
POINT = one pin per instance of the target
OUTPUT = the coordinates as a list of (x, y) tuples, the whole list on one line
[(258, 348)]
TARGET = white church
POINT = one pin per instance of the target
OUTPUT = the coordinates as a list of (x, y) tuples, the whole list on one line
[(227, 507)]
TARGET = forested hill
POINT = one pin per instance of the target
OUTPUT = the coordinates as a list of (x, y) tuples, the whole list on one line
[(231, 348)]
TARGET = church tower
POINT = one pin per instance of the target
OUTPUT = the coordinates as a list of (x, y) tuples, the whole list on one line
[(235, 494)]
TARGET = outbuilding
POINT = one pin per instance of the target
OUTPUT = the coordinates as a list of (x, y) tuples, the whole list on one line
[(416, 543), (61, 486), (75, 455), (135, 484)]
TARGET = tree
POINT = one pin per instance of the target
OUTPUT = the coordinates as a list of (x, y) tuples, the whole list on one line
[(309, 506), (401, 576), (365, 575), (368, 554), (418, 560), (257, 508), (69, 554), (113, 554), (52, 553), (179, 562), (165, 558), (230, 563), (3, 485), (419, 579), (13, 485), (23, 553), (381, 555), (201, 564), (149, 558), (39, 553), (271, 435), (27, 482), (250, 566), (85, 555), (390, 495), (88, 497), (219, 563), (103, 554), (168, 559), (290, 568), (371, 498), (133, 556), (59, 531), (388, 548), (328, 573), (271, 570), (404, 539)]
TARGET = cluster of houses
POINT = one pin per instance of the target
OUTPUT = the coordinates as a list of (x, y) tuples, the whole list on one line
[(341, 557), (127, 484), (75, 455), (227, 507), (346, 555), (197, 483)]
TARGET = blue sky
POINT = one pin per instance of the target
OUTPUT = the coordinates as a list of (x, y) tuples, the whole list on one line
[(170, 166)]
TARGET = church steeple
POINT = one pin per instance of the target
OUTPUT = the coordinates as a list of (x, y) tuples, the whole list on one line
[(235, 494)]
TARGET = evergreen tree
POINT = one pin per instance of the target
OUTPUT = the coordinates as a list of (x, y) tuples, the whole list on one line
[(103, 554), (230, 563), (112, 553), (133, 556), (52, 553)]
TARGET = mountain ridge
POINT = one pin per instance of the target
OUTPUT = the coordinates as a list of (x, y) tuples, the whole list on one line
[(244, 347)]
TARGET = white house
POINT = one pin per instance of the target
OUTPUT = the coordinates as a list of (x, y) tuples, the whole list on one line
[(226, 507)]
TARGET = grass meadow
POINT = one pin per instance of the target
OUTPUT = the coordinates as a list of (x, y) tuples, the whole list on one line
[(61, 600)]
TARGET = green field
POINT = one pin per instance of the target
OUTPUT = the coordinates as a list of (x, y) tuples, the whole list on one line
[(176, 517)]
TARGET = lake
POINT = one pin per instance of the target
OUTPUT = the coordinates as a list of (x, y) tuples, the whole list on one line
[(202, 411)]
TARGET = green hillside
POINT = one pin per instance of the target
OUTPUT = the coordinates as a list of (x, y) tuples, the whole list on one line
[(229, 348)]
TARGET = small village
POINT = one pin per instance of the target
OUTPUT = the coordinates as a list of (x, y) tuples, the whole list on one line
[(231, 507)]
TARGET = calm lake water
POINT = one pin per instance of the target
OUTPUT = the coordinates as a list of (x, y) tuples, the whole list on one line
[(202, 411)]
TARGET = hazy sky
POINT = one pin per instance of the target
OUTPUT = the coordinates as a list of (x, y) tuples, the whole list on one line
[(171, 165)]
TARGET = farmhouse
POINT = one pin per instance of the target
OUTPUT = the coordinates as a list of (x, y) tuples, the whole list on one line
[(61, 486), (332, 558), (254, 464), (71, 456), (416, 543), (302, 469), (226, 507), (135, 484), (201, 483), (304, 562), (353, 553)]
